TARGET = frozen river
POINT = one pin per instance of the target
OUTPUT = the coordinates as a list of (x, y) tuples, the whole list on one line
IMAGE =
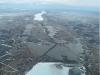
[(38, 16)]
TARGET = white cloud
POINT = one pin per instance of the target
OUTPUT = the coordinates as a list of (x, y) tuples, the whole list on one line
[(33, 1), (68, 2), (84, 2)]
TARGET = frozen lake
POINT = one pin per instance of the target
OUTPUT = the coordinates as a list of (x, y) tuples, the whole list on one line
[(38, 16)]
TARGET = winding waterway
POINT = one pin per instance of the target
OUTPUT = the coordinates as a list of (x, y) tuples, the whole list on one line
[(71, 50), (38, 16)]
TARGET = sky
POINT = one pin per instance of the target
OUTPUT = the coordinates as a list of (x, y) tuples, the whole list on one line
[(66, 2)]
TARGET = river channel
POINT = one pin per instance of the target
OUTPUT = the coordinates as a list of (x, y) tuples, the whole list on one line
[(71, 50)]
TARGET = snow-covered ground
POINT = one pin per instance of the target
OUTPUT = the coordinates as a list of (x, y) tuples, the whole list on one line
[(6, 45), (51, 30)]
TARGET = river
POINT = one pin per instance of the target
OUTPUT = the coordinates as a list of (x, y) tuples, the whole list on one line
[(71, 50), (38, 16)]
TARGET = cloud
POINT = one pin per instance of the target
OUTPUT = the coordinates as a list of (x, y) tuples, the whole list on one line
[(33, 1), (67, 2), (84, 2)]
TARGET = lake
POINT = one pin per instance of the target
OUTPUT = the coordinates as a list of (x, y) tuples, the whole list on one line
[(38, 16)]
